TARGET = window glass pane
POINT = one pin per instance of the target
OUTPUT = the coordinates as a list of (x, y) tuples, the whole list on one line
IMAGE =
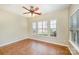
[(74, 21), (53, 28), (34, 30), (39, 31), (34, 25), (52, 25), (78, 38), (44, 27), (44, 24), (45, 30), (40, 24), (53, 22)]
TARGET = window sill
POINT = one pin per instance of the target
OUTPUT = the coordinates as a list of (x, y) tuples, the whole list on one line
[(43, 36)]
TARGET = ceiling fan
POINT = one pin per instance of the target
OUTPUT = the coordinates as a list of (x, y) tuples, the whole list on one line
[(32, 10)]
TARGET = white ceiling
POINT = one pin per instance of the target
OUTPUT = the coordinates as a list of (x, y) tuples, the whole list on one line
[(44, 8)]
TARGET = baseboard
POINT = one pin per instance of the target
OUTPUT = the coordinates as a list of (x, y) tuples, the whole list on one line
[(76, 48), (70, 50), (34, 39), (18, 39), (49, 42)]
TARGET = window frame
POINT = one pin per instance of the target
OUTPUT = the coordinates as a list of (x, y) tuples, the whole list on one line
[(47, 28)]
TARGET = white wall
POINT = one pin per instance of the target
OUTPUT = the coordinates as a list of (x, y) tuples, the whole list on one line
[(62, 26), (12, 27)]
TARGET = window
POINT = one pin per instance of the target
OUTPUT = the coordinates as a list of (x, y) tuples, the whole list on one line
[(53, 28), (42, 27), (45, 28), (34, 27), (74, 28), (53, 24)]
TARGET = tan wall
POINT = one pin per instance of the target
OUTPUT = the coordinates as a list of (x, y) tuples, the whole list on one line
[(62, 26), (12, 27)]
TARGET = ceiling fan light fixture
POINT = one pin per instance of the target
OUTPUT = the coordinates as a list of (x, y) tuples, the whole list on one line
[(32, 10)]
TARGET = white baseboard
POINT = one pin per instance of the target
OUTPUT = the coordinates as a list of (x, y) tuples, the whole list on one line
[(70, 50), (10, 42), (49, 42), (13, 41), (34, 39), (73, 46)]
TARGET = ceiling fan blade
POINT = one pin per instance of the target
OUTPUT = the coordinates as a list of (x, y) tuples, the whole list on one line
[(37, 13), (36, 9), (26, 13), (25, 8)]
